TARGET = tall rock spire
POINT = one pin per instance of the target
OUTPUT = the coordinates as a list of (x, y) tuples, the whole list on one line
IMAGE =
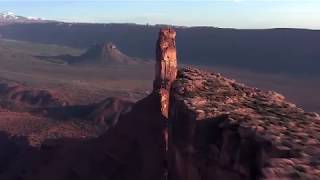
[(166, 66)]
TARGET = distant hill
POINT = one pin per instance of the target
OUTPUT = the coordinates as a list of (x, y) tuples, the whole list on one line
[(287, 51), (104, 54), (99, 54)]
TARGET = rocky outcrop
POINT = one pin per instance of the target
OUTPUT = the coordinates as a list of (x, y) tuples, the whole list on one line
[(166, 66), (133, 149), (103, 115), (220, 129), (165, 72), (108, 112), (17, 97)]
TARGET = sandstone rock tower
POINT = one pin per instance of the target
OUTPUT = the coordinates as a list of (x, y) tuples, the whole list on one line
[(166, 66)]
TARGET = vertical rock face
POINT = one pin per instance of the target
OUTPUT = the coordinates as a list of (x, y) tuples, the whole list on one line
[(166, 66), (220, 129)]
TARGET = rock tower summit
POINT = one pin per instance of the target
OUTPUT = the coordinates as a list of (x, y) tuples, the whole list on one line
[(166, 59), (166, 66)]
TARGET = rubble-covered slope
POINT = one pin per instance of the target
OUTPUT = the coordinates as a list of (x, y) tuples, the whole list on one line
[(223, 129)]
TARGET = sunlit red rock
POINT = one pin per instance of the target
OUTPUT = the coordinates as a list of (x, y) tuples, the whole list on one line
[(166, 66)]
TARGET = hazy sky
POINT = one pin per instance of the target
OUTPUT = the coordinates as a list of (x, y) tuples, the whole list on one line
[(218, 13)]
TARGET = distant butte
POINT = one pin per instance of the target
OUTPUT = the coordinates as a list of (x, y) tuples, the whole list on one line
[(103, 55)]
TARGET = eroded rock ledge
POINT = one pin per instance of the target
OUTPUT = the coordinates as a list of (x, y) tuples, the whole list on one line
[(18, 97), (220, 129)]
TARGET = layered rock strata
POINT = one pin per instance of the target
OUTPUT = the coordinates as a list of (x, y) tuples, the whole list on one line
[(166, 66), (165, 71), (220, 129)]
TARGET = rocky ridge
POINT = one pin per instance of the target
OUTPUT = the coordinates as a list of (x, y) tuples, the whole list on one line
[(229, 130), (18, 97)]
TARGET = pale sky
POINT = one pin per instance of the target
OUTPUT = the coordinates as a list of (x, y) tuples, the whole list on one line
[(245, 14)]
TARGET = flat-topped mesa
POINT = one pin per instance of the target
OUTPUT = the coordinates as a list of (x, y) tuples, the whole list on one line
[(166, 66)]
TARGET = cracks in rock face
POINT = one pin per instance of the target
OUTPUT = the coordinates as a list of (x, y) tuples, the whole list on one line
[(166, 66), (220, 129), (166, 73)]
